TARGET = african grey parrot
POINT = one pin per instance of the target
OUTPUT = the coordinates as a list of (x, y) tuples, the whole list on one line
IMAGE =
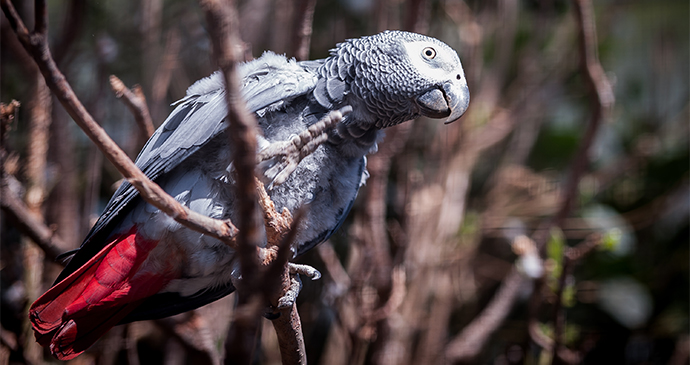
[(137, 263)]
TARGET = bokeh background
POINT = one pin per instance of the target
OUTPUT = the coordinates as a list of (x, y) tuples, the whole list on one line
[(459, 249)]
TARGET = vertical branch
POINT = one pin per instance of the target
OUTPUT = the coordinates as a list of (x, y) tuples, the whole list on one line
[(36, 162), (281, 21), (62, 206), (74, 20), (302, 25), (221, 17), (601, 99), (222, 20)]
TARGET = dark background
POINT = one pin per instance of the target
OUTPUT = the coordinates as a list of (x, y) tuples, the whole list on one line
[(428, 244)]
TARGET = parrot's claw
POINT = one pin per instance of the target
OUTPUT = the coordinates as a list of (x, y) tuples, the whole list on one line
[(286, 155), (305, 270), (288, 299)]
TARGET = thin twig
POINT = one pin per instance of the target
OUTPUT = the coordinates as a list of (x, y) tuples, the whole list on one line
[(570, 257), (602, 100), (136, 102), (37, 45)]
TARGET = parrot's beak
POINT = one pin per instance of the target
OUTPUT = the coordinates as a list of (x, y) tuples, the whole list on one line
[(457, 95), (449, 100)]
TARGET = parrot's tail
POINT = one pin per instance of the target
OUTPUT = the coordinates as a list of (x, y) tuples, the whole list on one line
[(77, 311)]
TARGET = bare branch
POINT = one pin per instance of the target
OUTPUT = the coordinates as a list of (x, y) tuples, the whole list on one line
[(192, 333), (29, 225), (169, 61), (302, 24), (221, 17), (37, 46), (7, 113), (601, 96), (136, 102), (470, 341), (288, 325), (602, 100), (570, 257), (15, 21), (222, 22)]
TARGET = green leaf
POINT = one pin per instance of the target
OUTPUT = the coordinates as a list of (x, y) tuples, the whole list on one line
[(611, 239)]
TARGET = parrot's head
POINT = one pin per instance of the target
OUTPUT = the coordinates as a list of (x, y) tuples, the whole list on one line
[(395, 76)]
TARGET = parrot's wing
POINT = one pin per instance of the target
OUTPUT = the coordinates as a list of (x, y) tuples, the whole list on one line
[(268, 82)]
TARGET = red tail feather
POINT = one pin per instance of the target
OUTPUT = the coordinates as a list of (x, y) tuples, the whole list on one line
[(74, 313)]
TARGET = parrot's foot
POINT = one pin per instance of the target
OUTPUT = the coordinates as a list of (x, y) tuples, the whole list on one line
[(305, 270), (284, 156), (288, 299)]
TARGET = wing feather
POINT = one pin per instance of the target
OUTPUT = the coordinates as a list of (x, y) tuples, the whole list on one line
[(269, 82)]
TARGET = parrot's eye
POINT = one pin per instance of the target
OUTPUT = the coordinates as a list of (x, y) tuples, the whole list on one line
[(429, 53)]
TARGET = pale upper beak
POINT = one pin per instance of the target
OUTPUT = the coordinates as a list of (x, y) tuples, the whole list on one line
[(449, 99)]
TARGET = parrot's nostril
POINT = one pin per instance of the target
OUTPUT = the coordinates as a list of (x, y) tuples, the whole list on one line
[(458, 77)]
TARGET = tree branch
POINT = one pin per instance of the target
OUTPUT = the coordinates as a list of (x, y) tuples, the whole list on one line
[(222, 23), (19, 213), (37, 46), (471, 340), (302, 25), (602, 100), (136, 102), (601, 96)]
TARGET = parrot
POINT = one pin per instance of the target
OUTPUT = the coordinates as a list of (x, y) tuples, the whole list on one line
[(137, 263)]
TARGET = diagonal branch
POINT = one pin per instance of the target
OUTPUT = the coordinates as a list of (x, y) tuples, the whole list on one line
[(136, 102), (37, 46), (27, 223), (471, 340)]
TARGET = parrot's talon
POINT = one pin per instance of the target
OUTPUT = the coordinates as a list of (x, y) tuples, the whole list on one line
[(305, 270), (290, 297), (289, 153)]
